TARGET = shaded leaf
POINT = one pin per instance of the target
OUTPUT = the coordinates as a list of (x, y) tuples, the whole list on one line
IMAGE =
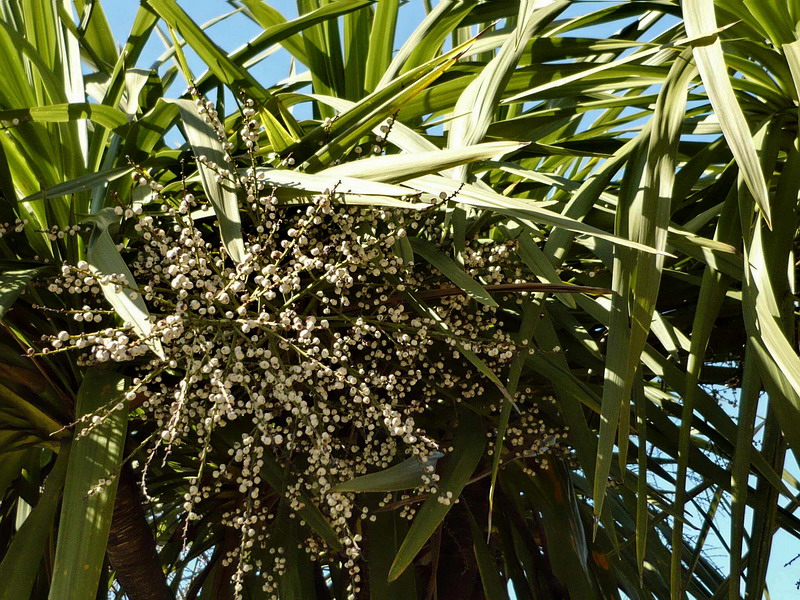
[(405, 475), (105, 260), (457, 468), (21, 563), (13, 283), (451, 270)]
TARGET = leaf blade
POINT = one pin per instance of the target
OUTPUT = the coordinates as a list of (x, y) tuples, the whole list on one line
[(85, 517), (104, 259), (450, 269), (701, 23), (458, 468)]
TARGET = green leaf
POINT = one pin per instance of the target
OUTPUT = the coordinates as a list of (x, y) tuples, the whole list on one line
[(552, 493), (774, 17), (644, 213), (86, 182), (86, 513), (589, 74), (324, 55), (530, 311), (13, 283), (349, 127), (402, 136), (228, 72), (384, 536), (419, 305), (712, 293), (537, 262), (457, 468), (31, 417), (310, 513), (585, 198), (792, 52), (781, 365), (218, 182), (701, 23), (104, 259), (23, 557), (642, 514), (403, 476), (426, 40), (450, 269), (297, 582), (381, 42), (751, 389), (143, 24), (355, 45), (765, 509), (106, 116), (278, 30)]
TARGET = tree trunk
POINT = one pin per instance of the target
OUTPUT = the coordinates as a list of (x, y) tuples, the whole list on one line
[(131, 548)]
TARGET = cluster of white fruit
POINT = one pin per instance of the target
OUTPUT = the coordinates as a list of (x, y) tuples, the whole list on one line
[(307, 357)]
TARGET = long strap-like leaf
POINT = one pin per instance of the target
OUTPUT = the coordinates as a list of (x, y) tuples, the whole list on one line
[(89, 490)]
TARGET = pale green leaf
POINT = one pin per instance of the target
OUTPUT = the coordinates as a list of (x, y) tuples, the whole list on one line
[(524, 211), (476, 107), (396, 168), (328, 183), (218, 181), (104, 259)]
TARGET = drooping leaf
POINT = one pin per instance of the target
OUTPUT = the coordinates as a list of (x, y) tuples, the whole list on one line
[(701, 23), (217, 175), (13, 283), (457, 468), (402, 476), (106, 261), (22, 560)]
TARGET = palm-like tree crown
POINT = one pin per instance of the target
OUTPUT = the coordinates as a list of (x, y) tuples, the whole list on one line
[(430, 317)]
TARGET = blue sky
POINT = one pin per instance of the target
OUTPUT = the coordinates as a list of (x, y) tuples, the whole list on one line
[(234, 31)]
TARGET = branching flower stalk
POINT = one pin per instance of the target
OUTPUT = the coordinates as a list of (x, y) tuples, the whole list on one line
[(305, 355)]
